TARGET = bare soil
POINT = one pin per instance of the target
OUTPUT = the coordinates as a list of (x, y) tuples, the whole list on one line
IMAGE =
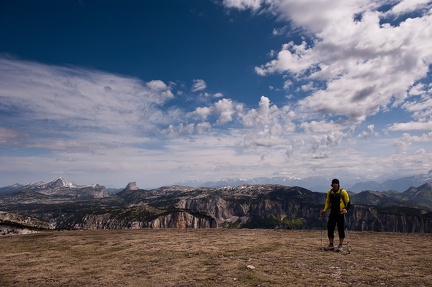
[(213, 257)]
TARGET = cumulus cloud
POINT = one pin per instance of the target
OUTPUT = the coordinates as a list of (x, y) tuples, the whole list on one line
[(224, 109), (202, 112), (369, 132), (161, 89), (267, 125), (367, 60), (269, 118), (292, 58), (328, 140)]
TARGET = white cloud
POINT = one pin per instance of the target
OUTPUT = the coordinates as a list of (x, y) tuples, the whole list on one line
[(68, 99), (225, 110), (406, 6), (161, 89), (202, 112), (322, 126), (315, 16), (268, 116), (417, 90), (287, 84), (308, 87), (411, 126), (407, 140), (7, 136), (198, 85), (421, 109), (331, 139), (203, 127), (421, 151), (293, 58), (367, 66), (244, 4), (369, 132)]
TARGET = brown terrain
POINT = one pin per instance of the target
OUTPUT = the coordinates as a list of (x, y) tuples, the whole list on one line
[(213, 257)]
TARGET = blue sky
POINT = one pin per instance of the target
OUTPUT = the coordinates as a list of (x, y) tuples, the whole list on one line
[(159, 91)]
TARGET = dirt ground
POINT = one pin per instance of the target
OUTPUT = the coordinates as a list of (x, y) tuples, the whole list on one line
[(213, 257)]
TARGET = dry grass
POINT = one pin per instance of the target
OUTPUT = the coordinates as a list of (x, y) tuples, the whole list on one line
[(213, 257)]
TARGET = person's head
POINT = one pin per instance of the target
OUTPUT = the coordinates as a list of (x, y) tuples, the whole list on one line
[(335, 184)]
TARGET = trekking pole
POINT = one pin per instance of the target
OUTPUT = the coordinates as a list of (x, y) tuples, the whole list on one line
[(321, 231), (346, 235)]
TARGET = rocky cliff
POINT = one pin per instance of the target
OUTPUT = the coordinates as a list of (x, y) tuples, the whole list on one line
[(390, 219), (263, 206), (143, 217), (245, 206), (11, 223)]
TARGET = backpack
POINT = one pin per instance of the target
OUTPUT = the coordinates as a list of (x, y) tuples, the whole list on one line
[(335, 198)]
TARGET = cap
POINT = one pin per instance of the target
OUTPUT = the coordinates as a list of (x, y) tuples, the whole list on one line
[(335, 181)]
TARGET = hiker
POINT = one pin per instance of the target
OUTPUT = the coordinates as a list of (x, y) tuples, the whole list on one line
[(337, 200)]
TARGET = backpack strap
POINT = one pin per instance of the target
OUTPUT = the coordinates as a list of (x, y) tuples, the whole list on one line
[(347, 205)]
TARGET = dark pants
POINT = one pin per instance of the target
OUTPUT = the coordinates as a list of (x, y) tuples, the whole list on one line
[(336, 219)]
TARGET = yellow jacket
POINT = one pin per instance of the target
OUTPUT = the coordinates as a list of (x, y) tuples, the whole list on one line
[(344, 199)]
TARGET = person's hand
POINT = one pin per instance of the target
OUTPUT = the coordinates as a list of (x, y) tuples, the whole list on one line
[(344, 211), (322, 211)]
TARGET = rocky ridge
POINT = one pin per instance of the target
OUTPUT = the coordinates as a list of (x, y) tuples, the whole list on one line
[(11, 223), (244, 206)]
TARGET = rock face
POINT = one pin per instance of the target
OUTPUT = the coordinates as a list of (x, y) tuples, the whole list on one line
[(11, 224), (131, 186), (259, 206), (181, 219), (389, 219), (174, 219)]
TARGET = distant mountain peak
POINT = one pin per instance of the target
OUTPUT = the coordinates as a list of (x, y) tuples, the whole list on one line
[(59, 182), (132, 186)]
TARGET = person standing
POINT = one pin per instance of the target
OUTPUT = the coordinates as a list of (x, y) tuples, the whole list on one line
[(337, 200)]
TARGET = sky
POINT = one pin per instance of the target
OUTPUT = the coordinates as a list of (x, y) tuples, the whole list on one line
[(159, 92)]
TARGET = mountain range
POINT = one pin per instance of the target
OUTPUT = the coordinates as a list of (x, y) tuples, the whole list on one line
[(321, 183), (63, 205), (58, 186), (314, 183)]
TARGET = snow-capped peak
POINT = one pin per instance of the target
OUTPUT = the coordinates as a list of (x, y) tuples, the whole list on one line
[(60, 182)]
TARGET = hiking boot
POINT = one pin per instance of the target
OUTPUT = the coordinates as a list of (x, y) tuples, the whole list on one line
[(339, 248), (330, 247)]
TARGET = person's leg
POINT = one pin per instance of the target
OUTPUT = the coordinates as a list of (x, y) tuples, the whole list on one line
[(331, 224)]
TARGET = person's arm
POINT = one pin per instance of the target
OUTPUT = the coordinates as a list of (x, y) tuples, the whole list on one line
[(346, 200), (327, 203)]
